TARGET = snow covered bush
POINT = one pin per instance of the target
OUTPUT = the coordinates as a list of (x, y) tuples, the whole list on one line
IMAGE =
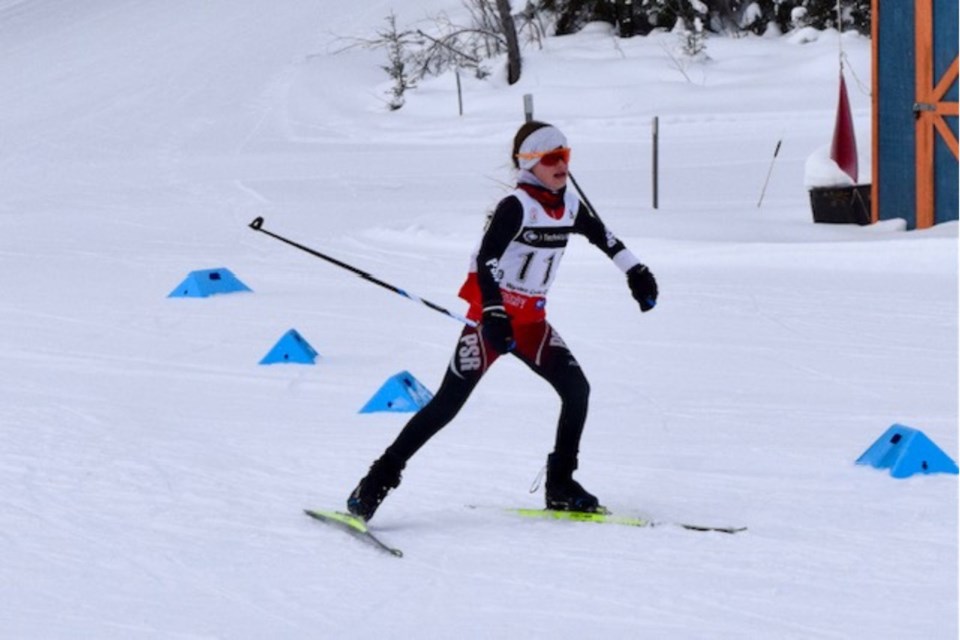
[(396, 44)]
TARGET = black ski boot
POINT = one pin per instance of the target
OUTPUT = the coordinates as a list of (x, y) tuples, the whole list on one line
[(383, 476), (563, 493)]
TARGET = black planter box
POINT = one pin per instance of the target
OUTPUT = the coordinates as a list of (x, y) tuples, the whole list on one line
[(841, 205)]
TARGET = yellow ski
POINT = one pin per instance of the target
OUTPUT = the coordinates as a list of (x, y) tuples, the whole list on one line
[(605, 517), (353, 525)]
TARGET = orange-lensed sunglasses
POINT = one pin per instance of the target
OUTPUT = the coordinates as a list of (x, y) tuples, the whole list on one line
[(548, 158)]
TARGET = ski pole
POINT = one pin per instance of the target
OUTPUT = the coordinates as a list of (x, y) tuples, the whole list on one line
[(583, 196), (769, 172), (257, 225)]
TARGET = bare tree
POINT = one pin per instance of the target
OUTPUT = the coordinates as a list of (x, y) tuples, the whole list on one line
[(414, 54), (509, 30)]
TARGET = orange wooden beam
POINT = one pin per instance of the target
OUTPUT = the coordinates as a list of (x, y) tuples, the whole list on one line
[(941, 126), (946, 108), (949, 76), (923, 51)]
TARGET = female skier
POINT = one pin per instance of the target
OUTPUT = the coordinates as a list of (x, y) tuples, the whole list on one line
[(506, 287)]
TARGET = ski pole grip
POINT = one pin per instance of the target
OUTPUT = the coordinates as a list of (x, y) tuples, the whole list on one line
[(257, 223)]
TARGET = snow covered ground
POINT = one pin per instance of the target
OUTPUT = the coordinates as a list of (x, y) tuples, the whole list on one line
[(152, 474)]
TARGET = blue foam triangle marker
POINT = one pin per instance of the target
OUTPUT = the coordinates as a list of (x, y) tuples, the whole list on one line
[(291, 347), (401, 393), (208, 282), (906, 451)]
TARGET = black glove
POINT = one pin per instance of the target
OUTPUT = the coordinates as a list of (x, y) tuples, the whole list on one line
[(496, 330), (643, 286)]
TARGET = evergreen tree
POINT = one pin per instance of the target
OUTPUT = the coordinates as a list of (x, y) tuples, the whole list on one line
[(719, 16)]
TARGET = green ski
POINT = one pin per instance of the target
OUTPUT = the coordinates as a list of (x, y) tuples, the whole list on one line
[(605, 517), (353, 525)]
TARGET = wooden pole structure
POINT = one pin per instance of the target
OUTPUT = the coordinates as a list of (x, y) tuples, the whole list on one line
[(656, 161)]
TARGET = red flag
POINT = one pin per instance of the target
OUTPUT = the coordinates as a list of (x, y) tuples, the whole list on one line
[(843, 151)]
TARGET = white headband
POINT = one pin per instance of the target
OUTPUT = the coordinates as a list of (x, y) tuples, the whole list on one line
[(540, 141)]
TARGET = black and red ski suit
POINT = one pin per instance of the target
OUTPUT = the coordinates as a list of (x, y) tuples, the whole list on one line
[(514, 265)]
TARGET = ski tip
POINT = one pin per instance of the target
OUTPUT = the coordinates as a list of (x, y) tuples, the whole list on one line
[(697, 527)]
